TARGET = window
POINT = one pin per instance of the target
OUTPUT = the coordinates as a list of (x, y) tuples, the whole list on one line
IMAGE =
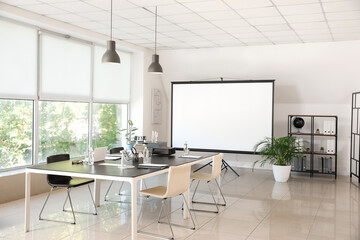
[(108, 120), (16, 121), (63, 128)]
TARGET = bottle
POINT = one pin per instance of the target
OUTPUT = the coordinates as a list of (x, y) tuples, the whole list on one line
[(91, 156), (186, 148), (146, 155)]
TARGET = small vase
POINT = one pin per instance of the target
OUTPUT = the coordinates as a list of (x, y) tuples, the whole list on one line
[(129, 146)]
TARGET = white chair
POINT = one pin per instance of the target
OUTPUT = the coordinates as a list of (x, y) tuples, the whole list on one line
[(206, 177), (177, 184)]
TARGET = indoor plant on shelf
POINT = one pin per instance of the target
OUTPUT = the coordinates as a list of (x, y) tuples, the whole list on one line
[(129, 135), (279, 152)]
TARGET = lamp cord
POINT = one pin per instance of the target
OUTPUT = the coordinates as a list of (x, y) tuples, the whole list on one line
[(155, 27), (111, 19)]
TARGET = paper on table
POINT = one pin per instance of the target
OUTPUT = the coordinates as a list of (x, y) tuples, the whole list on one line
[(191, 156)]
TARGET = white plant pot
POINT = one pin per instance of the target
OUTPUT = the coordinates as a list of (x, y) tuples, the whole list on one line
[(281, 173)]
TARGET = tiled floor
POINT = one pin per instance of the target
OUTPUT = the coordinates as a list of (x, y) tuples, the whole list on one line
[(257, 208)]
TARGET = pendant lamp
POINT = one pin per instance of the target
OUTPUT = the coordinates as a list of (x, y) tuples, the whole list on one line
[(155, 66), (111, 56)]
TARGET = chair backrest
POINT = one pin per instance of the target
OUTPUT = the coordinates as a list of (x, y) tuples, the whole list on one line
[(54, 179), (99, 153), (116, 150), (216, 165), (178, 180)]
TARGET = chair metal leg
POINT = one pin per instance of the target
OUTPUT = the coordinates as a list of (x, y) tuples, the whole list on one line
[(222, 195), (107, 192), (72, 209), (197, 185), (42, 209), (187, 207), (122, 183), (168, 218), (209, 203), (92, 200)]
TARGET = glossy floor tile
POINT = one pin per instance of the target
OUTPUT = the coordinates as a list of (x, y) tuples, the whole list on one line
[(317, 208)]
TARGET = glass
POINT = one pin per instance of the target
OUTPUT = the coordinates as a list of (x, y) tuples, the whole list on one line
[(18, 48), (66, 68), (16, 121), (63, 128), (108, 120)]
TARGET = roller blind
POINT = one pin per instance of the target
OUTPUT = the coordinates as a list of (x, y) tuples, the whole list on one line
[(65, 69), (18, 60), (111, 81)]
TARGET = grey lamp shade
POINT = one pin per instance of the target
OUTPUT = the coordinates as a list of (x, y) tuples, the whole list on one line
[(110, 56), (155, 66)]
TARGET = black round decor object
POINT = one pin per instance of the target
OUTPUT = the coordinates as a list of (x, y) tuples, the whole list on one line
[(298, 122)]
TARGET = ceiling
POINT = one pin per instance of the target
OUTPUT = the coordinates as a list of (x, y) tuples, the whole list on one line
[(209, 23)]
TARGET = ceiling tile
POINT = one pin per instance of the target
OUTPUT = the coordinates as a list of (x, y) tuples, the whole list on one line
[(193, 38), (69, 18), (105, 5), (312, 25), (218, 37), (285, 39), (256, 41), (293, 2), (150, 21), (259, 12), (234, 30), (229, 42), (169, 28), (280, 34), (230, 23), (316, 38), (76, 6), (207, 6), (317, 17), (196, 25), (133, 13), (243, 4), (353, 15), (313, 31), (346, 36), (341, 6), (98, 16), (266, 21), (153, 3), (184, 18), (248, 35), (179, 34), (345, 30), (172, 9), (348, 23), (202, 44), (300, 9), (123, 23), (209, 31), (220, 15), (278, 27), (44, 9)]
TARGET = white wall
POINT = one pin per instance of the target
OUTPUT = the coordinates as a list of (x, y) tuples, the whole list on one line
[(315, 78)]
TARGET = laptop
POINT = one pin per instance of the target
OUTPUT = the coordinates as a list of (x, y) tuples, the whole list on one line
[(99, 154)]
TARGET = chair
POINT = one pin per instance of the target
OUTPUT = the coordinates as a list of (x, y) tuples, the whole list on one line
[(206, 177), (56, 181), (112, 151), (177, 184)]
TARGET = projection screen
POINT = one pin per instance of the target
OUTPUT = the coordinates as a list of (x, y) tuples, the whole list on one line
[(224, 116)]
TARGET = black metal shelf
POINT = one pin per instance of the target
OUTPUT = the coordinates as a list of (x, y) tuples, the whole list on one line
[(355, 133), (315, 136)]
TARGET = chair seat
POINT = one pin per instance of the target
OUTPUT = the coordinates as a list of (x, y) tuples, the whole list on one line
[(158, 191), (201, 176), (74, 182)]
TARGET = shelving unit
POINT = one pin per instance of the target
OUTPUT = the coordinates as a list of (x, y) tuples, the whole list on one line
[(313, 137)]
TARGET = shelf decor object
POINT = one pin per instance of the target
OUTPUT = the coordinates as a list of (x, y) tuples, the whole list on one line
[(320, 133), (299, 123), (110, 56), (155, 66), (355, 137)]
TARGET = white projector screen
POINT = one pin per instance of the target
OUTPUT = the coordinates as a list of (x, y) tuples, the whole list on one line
[(226, 116)]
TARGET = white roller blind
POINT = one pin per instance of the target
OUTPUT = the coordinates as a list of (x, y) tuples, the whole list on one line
[(111, 81), (18, 59), (65, 69)]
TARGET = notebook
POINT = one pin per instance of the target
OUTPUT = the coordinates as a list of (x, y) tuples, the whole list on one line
[(99, 153)]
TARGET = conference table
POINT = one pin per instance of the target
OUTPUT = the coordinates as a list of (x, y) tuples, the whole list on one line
[(110, 171)]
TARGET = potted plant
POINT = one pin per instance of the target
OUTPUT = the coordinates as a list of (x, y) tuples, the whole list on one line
[(279, 152), (129, 135)]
